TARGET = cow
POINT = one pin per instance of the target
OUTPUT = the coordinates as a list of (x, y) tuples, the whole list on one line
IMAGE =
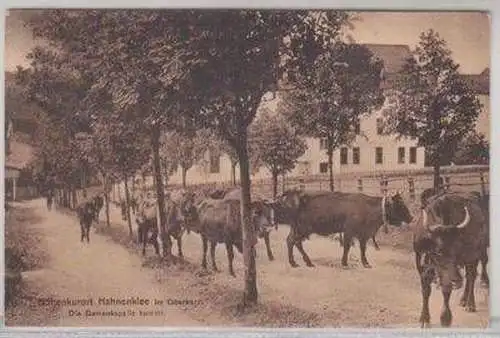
[(326, 213), (452, 232), (219, 221), (98, 203), (86, 215), (263, 232), (147, 223), (483, 199)]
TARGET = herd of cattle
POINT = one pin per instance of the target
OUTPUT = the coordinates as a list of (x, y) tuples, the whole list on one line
[(450, 234)]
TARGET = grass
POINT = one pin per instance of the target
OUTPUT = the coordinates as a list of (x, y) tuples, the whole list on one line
[(24, 251)]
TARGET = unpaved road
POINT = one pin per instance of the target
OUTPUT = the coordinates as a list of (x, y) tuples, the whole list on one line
[(388, 295)]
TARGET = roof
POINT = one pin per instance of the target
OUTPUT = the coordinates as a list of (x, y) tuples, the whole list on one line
[(393, 56), (480, 83), (21, 154)]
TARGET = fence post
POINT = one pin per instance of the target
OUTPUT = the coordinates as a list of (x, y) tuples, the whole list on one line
[(302, 185), (383, 185), (483, 187), (411, 187), (360, 185)]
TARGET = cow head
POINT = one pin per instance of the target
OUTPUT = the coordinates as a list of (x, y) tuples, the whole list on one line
[(263, 216), (287, 205), (436, 219), (396, 210)]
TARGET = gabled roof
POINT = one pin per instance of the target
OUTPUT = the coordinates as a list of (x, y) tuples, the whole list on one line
[(393, 56)]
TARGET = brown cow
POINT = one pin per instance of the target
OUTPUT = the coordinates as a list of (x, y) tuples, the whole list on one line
[(219, 221), (451, 232), (326, 213)]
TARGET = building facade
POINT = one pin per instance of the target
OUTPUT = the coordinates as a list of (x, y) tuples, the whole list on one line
[(371, 151)]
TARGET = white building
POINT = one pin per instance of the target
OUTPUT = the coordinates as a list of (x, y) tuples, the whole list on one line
[(376, 152)]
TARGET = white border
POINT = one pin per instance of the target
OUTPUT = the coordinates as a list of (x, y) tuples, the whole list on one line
[(493, 6)]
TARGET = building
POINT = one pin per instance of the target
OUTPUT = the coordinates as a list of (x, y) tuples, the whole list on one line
[(370, 152), (480, 83), (20, 124)]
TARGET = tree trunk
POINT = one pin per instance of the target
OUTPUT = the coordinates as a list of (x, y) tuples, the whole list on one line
[(330, 170), (250, 294), (233, 172), (275, 184), (119, 191), (437, 167), (106, 201), (133, 186), (160, 193), (127, 203), (74, 198), (283, 183), (184, 173)]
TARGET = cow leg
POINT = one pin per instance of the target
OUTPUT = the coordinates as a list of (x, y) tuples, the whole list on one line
[(362, 249), (82, 231), (468, 300), (290, 241), (268, 246), (305, 257), (230, 257), (375, 244), (88, 231), (446, 316), (347, 246), (144, 239), (485, 280), (179, 246), (341, 239), (426, 278), (205, 248), (154, 241), (213, 245)]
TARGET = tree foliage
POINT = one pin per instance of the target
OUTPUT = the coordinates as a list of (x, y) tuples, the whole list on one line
[(277, 145), (474, 148), (165, 64), (431, 102), (342, 85)]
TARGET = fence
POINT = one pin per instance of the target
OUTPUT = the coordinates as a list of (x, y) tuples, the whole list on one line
[(410, 184)]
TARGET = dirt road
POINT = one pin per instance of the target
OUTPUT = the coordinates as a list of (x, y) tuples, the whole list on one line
[(388, 295)]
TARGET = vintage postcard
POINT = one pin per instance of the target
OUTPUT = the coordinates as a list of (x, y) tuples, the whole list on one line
[(246, 168)]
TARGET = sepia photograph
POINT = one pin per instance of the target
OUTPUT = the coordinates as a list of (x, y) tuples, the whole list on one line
[(249, 168)]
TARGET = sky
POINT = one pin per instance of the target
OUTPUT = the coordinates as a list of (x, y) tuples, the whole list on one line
[(467, 35)]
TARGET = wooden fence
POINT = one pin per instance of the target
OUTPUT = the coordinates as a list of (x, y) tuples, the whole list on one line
[(410, 184)]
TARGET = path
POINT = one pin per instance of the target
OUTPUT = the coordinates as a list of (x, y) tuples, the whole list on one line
[(388, 295), (99, 269)]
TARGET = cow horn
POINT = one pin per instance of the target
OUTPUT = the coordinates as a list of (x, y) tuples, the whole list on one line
[(465, 221), (425, 220)]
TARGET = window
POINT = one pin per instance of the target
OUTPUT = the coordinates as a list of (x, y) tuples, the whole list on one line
[(380, 126), (357, 127), (343, 155), (401, 155), (355, 155), (214, 163), (322, 143), (379, 155), (323, 167), (413, 154)]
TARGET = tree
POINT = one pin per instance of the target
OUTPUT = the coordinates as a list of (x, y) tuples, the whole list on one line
[(188, 148), (431, 102), (193, 67), (472, 149), (278, 145), (343, 84)]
